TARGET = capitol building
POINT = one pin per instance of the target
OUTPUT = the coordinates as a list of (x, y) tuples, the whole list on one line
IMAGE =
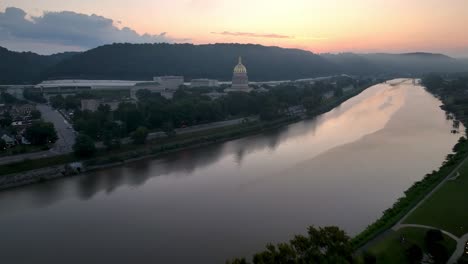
[(240, 80)]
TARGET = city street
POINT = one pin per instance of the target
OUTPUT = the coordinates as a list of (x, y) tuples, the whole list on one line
[(64, 130)]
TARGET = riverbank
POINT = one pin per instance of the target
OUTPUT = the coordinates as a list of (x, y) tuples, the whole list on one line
[(34, 171), (437, 204)]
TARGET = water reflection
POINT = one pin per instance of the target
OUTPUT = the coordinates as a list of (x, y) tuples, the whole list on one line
[(208, 204), (355, 118)]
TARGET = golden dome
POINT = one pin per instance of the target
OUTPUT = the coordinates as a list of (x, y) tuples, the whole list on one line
[(240, 68)]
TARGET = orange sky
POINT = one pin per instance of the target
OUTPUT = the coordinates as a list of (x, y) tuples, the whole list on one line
[(316, 25)]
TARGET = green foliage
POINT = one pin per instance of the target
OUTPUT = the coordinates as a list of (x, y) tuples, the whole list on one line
[(36, 114), (84, 146), (189, 107), (148, 60), (338, 92), (322, 245), (5, 120), (433, 236), (41, 133), (57, 101), (414, 194), (439, 253), (139, 135)]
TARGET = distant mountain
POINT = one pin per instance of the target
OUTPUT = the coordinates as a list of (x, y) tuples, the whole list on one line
[(143, 61), (406, 63), (415, 63), (26, 67)]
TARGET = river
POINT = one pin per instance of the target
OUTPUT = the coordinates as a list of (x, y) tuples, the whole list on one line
[(206, 205)]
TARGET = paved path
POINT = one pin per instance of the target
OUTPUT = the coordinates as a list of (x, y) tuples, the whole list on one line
[(447, 178), (460, 241), (454, 237)]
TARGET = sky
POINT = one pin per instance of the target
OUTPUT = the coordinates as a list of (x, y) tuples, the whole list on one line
[(362, 26)]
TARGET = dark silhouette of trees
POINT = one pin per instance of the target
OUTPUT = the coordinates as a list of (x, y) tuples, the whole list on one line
[(41, 133), (322, 245), (414, 254), (84, 146), (140, 135)]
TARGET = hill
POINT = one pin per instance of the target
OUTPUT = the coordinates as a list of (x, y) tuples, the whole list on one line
[(143, 61), (26, 67), (401, 64)]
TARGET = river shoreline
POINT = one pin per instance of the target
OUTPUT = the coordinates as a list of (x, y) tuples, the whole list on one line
[(56, 171)]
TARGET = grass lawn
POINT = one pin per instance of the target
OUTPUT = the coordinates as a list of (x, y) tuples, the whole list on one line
[(447, 208), (391, 250)]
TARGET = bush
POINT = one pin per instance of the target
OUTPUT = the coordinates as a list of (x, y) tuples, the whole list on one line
[(84, 147)]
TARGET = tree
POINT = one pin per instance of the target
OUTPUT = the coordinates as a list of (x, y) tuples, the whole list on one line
[(414, 254), (338, 92), (84, 146), (433, 236), (139, 135), (57, 101), (433, 239), (323, 245), (310, 103), (6, 120), (41, 133), (439, 253), (36, 114), (3, 145)]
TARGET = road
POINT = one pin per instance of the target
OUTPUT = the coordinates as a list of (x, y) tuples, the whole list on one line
[(65, 132), (64, 144), (66, 135)]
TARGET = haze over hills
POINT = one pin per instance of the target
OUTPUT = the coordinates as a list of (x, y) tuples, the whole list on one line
[(143, 61)]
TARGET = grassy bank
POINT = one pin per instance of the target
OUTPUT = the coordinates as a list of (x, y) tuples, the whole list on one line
[(412, 197), (447, 208), (163, 146), (392, 249)]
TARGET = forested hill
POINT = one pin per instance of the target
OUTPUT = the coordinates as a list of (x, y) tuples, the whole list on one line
[(26, 67), (143, 61), (406, 63)]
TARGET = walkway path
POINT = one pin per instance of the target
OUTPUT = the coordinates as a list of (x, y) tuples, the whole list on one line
[(461, 242)]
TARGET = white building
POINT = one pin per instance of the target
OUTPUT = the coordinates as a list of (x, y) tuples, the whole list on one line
[(203, 83), (169, 82)]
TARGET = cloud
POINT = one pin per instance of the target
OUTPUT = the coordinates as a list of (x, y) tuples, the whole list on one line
[(252, 35), (69, 29)]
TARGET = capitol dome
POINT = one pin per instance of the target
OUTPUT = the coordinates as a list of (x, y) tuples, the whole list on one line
[(240, 68)]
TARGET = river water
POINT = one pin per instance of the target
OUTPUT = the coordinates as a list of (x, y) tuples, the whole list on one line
[(209, 204)]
